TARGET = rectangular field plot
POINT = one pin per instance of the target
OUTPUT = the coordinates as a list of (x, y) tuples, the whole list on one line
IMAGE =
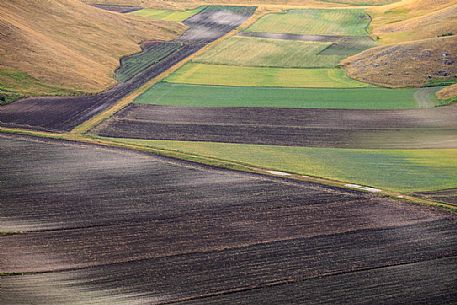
[(344, 22), (398, 170), (222, 75), (367, 129), (261, 52), (172, 94), (167, 15)]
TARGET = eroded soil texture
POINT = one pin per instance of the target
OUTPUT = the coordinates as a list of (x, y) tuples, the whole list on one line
[(415, 128), (64, 113), (102, 225)]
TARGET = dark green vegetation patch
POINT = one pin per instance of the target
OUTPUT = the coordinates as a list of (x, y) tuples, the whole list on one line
[(152, 53)]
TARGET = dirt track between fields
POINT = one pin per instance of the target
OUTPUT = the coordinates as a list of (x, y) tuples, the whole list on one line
[(130, 228), (294, 127), (64, 113)]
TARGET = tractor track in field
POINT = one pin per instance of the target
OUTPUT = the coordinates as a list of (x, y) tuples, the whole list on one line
[(193, 231)]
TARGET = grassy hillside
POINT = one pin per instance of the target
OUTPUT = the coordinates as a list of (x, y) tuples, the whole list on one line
[(67, 44), (420, 35), (406, 64), (400, 21), (434, 23)]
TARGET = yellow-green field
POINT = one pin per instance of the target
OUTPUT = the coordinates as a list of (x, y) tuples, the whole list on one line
[(221, 75), (315, 21), (396, 170), (263, 52), (167, 15)]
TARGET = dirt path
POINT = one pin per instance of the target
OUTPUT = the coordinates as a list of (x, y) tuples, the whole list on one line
[(424, 97)]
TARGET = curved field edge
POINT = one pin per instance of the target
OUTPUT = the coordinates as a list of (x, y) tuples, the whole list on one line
[(402, 171), (187, 95), (209, 161)]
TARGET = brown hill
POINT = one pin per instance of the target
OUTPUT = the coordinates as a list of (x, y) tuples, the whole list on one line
[(406, 64), (408, 23), (48, 45), (420, 38)]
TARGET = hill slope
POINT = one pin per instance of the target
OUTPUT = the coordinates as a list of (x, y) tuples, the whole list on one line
[(49, 45), (406, 64), (419, 38)]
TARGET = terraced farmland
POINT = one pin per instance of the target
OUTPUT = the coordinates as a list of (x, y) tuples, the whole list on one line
[(192, 233), (342, 22)]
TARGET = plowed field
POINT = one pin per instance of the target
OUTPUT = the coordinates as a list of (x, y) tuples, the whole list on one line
[(197, 235)]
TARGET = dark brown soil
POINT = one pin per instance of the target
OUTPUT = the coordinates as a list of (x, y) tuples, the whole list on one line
[(64, 113), (130, 228), (295, 127)]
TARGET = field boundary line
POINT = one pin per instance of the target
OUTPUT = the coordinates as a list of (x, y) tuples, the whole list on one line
[(124, 102), (270, 172), (227, 165)]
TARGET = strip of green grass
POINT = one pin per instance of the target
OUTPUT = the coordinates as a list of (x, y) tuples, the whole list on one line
[(396, 170), (262, 52), (16, 84), (348, 22), (167, 15), (221, 75), (171, 94)]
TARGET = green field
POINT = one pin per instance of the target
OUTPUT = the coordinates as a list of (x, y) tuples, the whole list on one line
[(220, 96), (262, 52), (346, 22), (134, 64), (222, 75), (167, 15), (397, 170)]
